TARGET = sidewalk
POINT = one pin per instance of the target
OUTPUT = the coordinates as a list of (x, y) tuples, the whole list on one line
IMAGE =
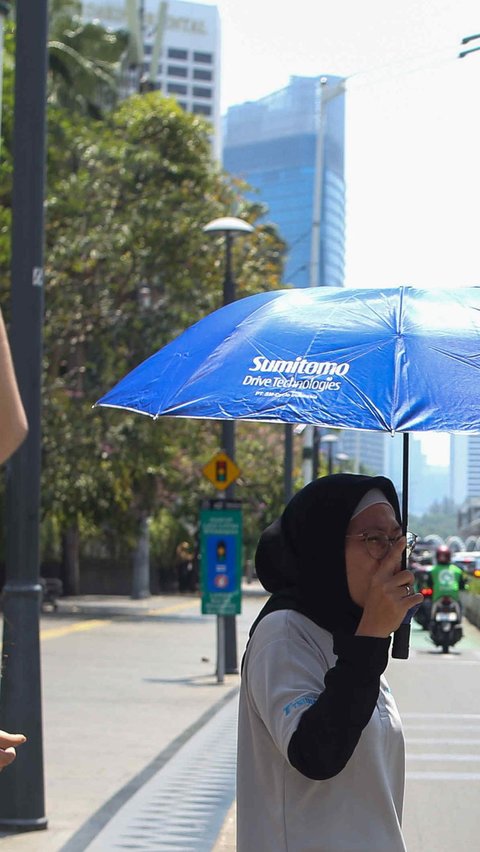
[(87, 792)]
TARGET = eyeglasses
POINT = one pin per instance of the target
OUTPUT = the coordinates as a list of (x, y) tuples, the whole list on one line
[(378, 544)]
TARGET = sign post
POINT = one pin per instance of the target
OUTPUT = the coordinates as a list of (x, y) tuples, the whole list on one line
[(221, 566)]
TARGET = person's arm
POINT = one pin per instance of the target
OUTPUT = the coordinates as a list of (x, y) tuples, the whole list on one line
[(329, 731), (314, 712), (13, 422), (8, 742)]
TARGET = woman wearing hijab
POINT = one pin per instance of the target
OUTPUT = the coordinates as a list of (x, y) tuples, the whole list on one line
[(320, 745)]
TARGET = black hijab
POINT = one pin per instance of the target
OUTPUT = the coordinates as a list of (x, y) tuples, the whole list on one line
[(300, 558)]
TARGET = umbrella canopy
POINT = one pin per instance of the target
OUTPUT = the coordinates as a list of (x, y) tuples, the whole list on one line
[(399, 359)]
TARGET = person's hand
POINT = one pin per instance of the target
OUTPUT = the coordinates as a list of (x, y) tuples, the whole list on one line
[(8, 742), (390, 596)]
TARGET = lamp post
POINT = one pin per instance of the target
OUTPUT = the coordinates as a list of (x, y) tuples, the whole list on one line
[(310, 446), (22, 805), (229, 227), (330, 439), (342, 458)]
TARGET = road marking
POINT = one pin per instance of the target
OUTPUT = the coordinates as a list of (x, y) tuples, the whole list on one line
[(449, 758), (443, 776), (56, 632), (440, 715), (172, 608), (442, 741)]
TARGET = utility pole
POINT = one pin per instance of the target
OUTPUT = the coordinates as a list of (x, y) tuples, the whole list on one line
[(22, 806)]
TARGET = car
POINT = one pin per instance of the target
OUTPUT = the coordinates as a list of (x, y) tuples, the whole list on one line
[(468, 561)]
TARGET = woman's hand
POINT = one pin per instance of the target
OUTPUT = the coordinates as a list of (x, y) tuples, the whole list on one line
[(389, 597), (7, 747)]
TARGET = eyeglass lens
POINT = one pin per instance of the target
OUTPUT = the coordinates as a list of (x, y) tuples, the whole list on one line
[(378, 545)]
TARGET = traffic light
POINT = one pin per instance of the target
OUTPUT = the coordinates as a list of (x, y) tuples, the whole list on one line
[(221, 470), (221, 551)]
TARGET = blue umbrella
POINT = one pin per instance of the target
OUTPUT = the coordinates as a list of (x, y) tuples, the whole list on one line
[(397, 360)]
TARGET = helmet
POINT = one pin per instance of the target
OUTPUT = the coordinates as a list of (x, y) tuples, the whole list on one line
[(444, 554)]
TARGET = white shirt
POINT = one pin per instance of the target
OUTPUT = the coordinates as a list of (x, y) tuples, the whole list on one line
[(278, 808)]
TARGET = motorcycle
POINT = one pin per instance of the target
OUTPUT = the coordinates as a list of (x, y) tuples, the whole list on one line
[(424, 612), (422, 584), (445, 626)]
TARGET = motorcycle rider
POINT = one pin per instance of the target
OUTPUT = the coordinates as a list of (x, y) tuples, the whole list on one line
[(446, 579)]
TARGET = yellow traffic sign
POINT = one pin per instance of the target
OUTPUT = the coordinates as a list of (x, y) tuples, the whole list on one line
[(221, 471)]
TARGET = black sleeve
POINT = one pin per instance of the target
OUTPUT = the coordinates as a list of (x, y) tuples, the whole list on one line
[(330, 729)]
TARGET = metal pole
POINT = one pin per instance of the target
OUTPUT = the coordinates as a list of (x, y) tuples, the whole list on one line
[(228, 442), (22, 787), (288, 463), (315, 452), (220, 648)]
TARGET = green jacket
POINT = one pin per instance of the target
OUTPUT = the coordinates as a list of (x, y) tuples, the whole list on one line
[(446, 580)]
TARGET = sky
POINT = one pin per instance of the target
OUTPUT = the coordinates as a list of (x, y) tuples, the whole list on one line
[(412, 126)]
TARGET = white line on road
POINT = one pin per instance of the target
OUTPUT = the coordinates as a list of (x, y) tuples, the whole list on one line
[(443, 776), (442, 741), (440, 715), (448, 758)]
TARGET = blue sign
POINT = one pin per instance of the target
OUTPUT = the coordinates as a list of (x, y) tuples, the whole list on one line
[(221, 560)]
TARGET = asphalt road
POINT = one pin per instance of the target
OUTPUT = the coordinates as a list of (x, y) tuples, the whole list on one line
[(118, 691), (438, 697)]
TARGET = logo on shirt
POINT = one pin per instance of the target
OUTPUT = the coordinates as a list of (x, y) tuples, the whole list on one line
[(303, 701)]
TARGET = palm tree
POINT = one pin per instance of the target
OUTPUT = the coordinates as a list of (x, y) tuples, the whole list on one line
[(84, 61)]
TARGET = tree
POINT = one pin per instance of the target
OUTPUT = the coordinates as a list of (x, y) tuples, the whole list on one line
[(84, 61), (124, 217)]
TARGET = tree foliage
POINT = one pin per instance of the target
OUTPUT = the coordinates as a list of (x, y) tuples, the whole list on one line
[(127, 268), (84, 60)]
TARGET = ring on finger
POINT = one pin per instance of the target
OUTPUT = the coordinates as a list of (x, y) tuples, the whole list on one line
[(408, 590)]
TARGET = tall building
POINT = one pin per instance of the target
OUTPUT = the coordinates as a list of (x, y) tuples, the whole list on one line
[(174, 47), (289, 146), (464, 467)]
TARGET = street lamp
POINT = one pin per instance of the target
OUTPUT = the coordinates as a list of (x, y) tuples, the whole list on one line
[(324, 94), (330, 439), (229, 227), (342, 458)]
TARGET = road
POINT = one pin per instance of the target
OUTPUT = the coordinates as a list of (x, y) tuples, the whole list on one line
[(119, 691), (438, 697)]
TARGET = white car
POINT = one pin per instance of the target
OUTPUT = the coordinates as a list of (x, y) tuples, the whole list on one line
[(468, 561)]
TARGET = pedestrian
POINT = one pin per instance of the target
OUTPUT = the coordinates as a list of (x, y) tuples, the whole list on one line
[(321, 757), (13, 423), (13, 429), (184, 566)]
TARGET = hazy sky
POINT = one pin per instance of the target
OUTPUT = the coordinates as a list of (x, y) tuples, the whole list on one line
[(412, 124)]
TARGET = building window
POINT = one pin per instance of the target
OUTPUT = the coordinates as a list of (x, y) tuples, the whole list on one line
[(176, 71), (174, 53), (176, 89), (201, 109), (201, 74), (182, 104), (203, 57), (200, 92)]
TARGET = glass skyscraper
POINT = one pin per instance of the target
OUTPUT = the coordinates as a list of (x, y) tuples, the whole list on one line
[(289, 146)]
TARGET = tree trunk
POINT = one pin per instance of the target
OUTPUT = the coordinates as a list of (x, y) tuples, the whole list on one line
[(70, 561), (141, 561)]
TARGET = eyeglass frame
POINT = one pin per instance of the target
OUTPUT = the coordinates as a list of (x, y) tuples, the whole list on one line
[(389, 542)]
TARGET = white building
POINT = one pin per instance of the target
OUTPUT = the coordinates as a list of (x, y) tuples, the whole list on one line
[(175, 48)]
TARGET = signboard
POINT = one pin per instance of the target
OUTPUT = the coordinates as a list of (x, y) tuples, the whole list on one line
[(221, 471), (221, 560)]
